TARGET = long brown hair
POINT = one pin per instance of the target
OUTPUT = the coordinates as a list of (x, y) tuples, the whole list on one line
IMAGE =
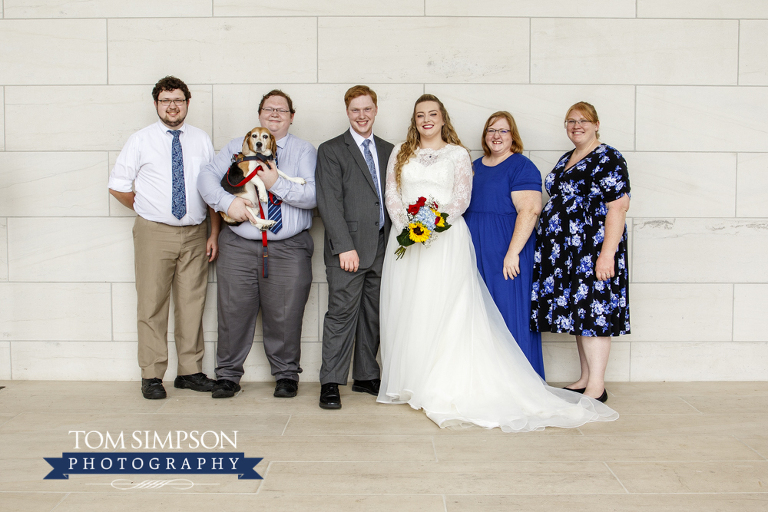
[(517, 141), (411, 144)]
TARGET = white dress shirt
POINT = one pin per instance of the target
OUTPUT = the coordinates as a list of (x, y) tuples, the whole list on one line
[(359, 140), (145, 163)]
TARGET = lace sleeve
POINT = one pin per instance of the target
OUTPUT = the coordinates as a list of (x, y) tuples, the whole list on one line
[(462, 184), (392, 197)]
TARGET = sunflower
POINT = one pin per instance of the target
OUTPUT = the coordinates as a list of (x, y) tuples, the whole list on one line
[(417, 232)]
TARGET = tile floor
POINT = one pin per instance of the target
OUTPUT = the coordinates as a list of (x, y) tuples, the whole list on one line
[(676, 447)]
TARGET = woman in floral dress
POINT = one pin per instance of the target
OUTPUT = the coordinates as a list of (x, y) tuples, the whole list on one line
[(581, 274)]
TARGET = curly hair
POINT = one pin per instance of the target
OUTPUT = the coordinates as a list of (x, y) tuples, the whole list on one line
[(411, 144), (170, 83)]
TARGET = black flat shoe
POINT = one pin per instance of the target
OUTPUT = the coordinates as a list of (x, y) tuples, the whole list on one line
[(286, 388), (604, 397), (195, 382), (329, 396), (225, 389), (152, 389), (580, 390), (367, 386)]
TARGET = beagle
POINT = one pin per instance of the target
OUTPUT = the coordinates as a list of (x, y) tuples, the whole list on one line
[(241, 180)]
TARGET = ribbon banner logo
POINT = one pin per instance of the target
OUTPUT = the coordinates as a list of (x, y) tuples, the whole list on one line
[(153, 464)]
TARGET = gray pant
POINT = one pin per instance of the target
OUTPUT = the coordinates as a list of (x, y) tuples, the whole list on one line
[(352, 320), (281, 296)]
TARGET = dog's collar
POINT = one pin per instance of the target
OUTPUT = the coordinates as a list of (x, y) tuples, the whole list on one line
[(239, 157)]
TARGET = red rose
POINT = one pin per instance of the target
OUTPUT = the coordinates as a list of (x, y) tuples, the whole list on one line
[(415, 207)]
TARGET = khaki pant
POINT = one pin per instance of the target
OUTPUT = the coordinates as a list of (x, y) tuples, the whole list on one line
[(170, 258)]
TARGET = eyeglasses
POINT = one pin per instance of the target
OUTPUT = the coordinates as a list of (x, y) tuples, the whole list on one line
[(166, 102), (571, 123), (491, 131), (280, 111)]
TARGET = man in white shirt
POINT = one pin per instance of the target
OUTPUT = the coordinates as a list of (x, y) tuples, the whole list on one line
[(156, 176)]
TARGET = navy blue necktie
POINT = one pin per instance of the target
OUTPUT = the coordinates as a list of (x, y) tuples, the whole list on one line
[(274, 212), (178, 191), (372, 170)]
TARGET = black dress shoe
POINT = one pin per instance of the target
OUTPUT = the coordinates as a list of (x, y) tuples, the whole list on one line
[(195, 382), (286, 388), (580, 390), (367, 386), (225, 389), (329, 396), (603, 397), (152, 389)]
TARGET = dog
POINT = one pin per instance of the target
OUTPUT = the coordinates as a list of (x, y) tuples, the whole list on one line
[(259, 146)]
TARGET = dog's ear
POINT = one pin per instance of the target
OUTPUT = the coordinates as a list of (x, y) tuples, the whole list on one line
[(247, 144), (273, 145)]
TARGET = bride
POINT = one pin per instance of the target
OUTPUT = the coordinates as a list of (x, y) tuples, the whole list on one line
[(444, 345)]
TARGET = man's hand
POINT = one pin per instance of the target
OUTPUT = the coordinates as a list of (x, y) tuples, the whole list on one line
[(349, 261), (212, 247), (238, 211), (125, 198), (268, 173)]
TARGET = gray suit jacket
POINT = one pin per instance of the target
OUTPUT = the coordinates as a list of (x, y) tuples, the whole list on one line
[(347, 200)]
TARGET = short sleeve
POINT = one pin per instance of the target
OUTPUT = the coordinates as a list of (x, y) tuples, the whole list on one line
[(524, 175), (612, 175)]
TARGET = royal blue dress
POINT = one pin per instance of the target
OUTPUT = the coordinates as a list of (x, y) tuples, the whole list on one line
[(491, 218)]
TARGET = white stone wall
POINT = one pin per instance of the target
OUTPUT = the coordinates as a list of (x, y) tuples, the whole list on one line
[(681, 87)]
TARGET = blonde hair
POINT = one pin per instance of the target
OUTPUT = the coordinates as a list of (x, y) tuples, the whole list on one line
[(411, 144), (590, 114), (517, 141)]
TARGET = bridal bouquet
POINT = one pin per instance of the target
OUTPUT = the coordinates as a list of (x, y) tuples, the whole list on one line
[(424, 221)]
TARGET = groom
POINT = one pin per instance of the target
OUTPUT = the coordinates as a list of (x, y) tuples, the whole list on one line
[(350, 177)]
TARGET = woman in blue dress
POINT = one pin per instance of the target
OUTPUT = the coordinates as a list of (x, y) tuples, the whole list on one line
[(581, 278), (506, 201)]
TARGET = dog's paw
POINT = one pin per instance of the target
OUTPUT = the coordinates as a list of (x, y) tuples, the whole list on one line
[(301, 181), (263, 224), (263, 197)]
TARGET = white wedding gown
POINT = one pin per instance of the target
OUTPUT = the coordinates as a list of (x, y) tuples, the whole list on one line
[(444, 345)]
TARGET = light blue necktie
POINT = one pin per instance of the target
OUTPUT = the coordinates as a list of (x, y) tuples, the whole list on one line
[(372, 170), (178, 192), (274, 212)]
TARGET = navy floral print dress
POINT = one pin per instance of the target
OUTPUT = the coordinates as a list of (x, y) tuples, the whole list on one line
[(566, 295)]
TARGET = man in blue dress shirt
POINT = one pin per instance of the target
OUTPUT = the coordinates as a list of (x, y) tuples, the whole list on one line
[(243, 288)]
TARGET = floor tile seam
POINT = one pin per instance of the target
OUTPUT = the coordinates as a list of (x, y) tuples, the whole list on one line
[(8, 419), (749, 447), (263, 478), (414, 494), (730, 493), (599, 461), (684, 461), (690, 404), (60, 502), (616, 477), (287, 422)]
